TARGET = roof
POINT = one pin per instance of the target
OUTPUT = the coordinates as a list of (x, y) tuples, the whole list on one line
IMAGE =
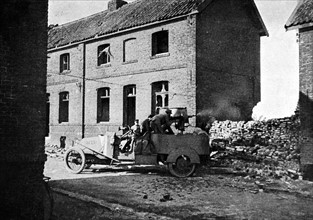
[(301, 16), (131, 15)]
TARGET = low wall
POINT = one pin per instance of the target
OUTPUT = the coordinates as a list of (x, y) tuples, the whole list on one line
[(266, 148)]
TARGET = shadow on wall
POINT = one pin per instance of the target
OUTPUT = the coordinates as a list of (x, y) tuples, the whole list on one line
[(306, 114), (306, 143)]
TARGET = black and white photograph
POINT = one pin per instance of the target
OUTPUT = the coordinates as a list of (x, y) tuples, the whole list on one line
[(156, 109)]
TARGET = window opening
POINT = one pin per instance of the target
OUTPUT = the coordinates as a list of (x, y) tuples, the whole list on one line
[(159, 42), (160, 97), (103, 108), (104, 54), (129, 105), (64, 62), (63, 107)]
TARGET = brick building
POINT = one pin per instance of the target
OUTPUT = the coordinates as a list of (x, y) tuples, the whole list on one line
[(124, 63), (23, 67), (302, 20)]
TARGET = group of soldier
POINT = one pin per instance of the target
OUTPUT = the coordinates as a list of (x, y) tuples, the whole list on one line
[(158, 124)]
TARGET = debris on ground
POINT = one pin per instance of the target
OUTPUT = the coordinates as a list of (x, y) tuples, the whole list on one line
[(253, 149), (54, 151), (263, 148), (166, 197)]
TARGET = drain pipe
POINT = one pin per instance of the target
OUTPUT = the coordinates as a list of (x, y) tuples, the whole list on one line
[(84, 90)]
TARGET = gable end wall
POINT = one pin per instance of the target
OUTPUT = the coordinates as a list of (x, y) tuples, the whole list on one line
[(228, 61), (306, 100)]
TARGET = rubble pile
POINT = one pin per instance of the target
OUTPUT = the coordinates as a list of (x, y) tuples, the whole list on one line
[(265, 148), (54, 151)]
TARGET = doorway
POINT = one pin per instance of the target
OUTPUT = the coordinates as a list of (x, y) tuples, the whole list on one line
[(129, 111)]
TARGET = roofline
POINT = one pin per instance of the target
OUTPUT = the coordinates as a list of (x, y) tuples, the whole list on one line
[(299, 26), (120, 32), (80, 19), (260, 19), (89, 16), (202, 6), (287, 25)]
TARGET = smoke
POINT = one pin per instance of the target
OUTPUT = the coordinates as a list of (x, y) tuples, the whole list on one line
[(223, 109)]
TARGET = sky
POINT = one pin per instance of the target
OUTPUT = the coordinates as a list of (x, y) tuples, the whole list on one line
[(279, 51)]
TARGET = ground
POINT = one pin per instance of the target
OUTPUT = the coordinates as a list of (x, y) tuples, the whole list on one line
[(130, 192)]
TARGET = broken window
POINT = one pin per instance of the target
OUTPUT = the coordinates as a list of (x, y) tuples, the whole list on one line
[(130, 50), (63, 107), (129, 105), (104, 54), (159, 96), (159, 42), (64, 62), (103, 108)]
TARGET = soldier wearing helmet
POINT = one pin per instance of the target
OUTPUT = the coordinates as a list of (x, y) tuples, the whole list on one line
[(161, 124)]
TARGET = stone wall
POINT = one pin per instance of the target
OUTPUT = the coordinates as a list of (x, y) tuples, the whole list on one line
[(267, 147)]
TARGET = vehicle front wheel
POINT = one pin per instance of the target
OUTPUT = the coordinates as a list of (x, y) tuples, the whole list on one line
[(75, 160), (182, 167)]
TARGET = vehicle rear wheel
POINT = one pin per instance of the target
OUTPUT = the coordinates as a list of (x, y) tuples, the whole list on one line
[(182, 167), (75, 160)]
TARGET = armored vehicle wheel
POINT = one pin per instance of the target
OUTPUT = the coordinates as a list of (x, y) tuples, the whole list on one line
[(75, 160), (182, 167)]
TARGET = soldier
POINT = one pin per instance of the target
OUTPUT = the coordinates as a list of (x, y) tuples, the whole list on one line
[(161, 123), (145, 125)]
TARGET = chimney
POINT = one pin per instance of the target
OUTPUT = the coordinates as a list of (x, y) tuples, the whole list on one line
[(115, 4)]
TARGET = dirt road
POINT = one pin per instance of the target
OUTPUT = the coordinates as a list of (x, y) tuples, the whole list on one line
[(151, 193)]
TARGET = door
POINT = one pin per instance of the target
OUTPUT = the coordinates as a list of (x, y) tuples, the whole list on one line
[(129, 112)]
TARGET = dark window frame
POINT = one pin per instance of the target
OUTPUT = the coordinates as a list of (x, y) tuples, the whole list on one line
[(103, 57), (160, 42), (103, 104), (63, 107), (159, 96), (64, 62), (129, 104)]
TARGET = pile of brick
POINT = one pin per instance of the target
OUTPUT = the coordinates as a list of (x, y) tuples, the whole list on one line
[(265, 148), (54, 151)]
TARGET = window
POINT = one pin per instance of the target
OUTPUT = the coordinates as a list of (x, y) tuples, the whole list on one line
[(63, 106), (103, 108), (129, 114), (159, 96), (159, 42), (130, 50), (64, 62), (104, 54)]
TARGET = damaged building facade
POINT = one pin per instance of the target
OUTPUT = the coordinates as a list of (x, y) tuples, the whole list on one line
[(302, 20), (126, 62)]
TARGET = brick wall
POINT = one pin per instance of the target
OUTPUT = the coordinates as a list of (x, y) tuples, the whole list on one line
[(22, 107), (177, 67), (306, 99), (228, 61), (222, 76)]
